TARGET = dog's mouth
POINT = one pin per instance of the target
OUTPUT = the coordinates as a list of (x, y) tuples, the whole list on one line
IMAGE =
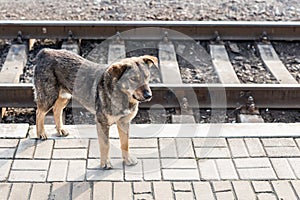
[(140, 100)]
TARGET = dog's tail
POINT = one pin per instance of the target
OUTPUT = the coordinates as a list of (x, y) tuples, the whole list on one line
[(40, 55)]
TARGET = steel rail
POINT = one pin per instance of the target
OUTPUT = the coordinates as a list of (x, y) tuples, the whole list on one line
[(199, 95), (200, 30)]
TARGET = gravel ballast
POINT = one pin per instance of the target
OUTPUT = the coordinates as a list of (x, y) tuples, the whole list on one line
[(259, 10)]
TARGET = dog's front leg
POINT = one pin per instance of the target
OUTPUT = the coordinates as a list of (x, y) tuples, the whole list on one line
[(123, 129), (103, 138)]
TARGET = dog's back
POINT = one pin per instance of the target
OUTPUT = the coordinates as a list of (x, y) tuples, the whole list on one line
[(57, 64), (58, 70)]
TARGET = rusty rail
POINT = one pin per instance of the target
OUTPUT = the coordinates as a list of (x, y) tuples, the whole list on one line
[(200, 30), (199, 95)]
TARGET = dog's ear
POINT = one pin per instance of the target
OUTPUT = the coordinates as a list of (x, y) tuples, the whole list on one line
[(150, 60), (116, 70)]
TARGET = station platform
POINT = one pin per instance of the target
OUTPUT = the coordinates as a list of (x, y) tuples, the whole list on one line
[(171, 166)]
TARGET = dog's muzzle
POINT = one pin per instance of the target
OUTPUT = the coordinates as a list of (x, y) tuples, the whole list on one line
[(147, 95)]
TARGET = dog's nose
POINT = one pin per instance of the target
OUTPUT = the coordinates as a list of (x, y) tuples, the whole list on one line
[(147, 94)]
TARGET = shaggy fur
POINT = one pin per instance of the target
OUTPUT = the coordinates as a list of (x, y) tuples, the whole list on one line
[(111, 93)]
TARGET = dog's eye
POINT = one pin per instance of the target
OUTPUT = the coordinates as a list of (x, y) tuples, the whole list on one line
[(134, 79)]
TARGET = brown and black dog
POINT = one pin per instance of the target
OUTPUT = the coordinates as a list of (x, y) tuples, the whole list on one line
[(112, 93)]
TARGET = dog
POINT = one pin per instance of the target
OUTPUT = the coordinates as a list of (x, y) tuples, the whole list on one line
[(112, 93)]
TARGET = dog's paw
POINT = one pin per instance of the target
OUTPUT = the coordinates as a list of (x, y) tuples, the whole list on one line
[(130, 161), (62, 133), (43, 136), (105, 164)]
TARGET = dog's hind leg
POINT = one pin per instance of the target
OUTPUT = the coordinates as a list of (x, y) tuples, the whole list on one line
[(59, 105), (40, 119)]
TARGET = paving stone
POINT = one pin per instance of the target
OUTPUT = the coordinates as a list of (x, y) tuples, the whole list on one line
[(226, 169), (266, 196), (208, 170), (203, 191), (298, 141), (134, 173), (117, 163), (182, 186), (5, 189), (282, 168), (43, 149), (212, 152), (8, 143), (143, 143), (122, 191), (255, 147), (142, 187), (151, 169), (102, 191), (179, 163), (224, 195), (4, 169), (237, 147), (162, 190), (7, 152), (13, 130), (31, 165), (184, 196), (144, 152), (278, 142), (69, 154), (167, 148), (222, 186), (185, 148), (180, 174), (257, 174), (209, 142), (252, 163), (76, 170), (27, 176), (20, 191), (284, 190), (94, 150), (223, 190), (104, 175), (58, 170), (243, 190), (26, 148), (40, 191), (71, 143), (282, 151), (143, 197), (60, 191), (115, 150), (296, 186), (262, 186), (295, 163), (81, 191)]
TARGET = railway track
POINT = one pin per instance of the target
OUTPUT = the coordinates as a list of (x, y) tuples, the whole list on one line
[(172, 92)]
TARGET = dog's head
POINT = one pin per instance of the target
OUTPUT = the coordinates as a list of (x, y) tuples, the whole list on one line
[(132, 75)]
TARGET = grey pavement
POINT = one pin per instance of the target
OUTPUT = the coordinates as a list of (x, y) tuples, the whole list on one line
[(168, 168)]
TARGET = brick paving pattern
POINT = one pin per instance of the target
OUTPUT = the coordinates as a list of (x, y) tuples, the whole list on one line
[(168, 168)]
